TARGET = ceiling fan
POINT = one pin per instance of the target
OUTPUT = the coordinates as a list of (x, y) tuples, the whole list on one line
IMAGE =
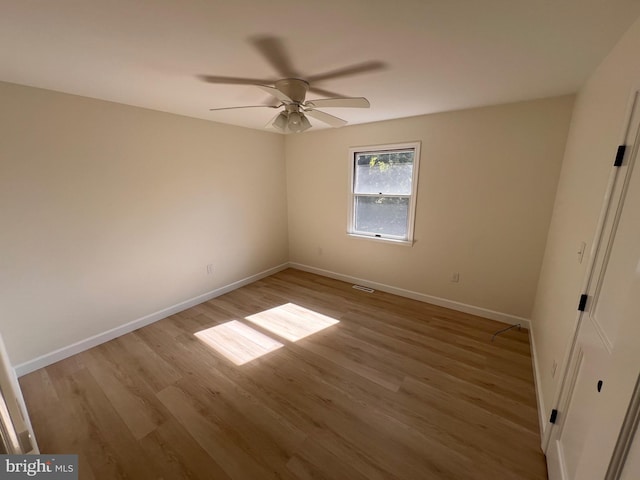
[(291, 90)]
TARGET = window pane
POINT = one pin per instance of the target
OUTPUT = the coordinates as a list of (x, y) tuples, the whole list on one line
[(382, 215), (387, 173)]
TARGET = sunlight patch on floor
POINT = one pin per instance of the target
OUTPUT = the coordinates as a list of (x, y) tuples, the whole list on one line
[(238, 342), (291, 321)]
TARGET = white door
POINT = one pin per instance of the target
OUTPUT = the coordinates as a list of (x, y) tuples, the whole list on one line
[(619, 393), (605, 360)]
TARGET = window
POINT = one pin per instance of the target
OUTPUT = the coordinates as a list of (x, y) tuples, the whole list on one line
[(384, 181)]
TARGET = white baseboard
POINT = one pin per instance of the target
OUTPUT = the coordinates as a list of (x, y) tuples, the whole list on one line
[(441, 302), (77, 347), (64, 352), (536, 381)]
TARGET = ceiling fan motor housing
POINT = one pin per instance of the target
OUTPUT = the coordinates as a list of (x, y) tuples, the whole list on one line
[(294, 88)]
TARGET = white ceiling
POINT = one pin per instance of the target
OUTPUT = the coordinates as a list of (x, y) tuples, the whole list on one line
[(439, 54)]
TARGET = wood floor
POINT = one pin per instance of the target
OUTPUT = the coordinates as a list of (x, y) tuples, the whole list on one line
[(398, 389)]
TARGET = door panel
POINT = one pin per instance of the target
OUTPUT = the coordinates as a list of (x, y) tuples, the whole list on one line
[(614, 283), (574, 422)]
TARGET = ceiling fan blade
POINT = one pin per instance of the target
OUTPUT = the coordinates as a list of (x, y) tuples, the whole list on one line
[(347, 71), (274, 51), (276, 93), (326, 118), (233, 80), (344, 102), (244, 106), (321, 91)]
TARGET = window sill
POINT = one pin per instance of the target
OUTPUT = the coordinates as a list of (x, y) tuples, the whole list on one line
[(405, 243)]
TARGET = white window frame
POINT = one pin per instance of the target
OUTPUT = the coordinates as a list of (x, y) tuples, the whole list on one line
[(351, 231)]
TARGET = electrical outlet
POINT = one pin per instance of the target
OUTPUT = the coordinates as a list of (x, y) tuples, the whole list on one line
[(455, 277), (554, 368), (209, 268)]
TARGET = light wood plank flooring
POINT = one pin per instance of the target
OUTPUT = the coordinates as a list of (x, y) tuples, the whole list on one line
[(398, 389)]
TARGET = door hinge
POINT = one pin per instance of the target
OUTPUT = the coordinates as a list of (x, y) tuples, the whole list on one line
[(554, 415), (619, 155), (582, 304)]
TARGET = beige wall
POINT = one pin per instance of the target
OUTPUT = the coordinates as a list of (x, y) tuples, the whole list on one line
[(487, 182), (110, 213), (596, 129)]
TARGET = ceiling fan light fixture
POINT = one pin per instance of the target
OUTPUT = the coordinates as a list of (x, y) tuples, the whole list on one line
[(295, 119), (298, 122), (306, 124), (281, 121)]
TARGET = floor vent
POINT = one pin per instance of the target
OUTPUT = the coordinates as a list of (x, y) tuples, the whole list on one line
[(364, 289)]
